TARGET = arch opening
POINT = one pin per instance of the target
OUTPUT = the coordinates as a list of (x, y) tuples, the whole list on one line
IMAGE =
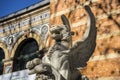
[(24, 49), (2, 56)]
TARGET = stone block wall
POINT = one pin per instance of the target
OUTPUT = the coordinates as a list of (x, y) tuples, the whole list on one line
[(105, 62)]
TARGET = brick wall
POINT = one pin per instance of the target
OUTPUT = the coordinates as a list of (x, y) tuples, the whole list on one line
[(105, 62)]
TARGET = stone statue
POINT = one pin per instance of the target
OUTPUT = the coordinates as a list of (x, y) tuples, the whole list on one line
[(63, 60)]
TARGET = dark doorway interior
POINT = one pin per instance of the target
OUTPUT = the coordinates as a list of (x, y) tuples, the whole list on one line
[(26, 48), (2, 56)]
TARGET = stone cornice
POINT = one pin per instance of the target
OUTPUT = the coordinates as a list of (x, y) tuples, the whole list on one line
[(26, 10)]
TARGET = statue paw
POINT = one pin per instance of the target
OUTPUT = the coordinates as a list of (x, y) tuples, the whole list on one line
[(41, 68), (31, 64)]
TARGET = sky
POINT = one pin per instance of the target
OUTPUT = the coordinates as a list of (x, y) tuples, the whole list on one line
[(10, 6)]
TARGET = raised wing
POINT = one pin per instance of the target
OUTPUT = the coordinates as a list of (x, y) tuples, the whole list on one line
[(80, 53), (66, 22)]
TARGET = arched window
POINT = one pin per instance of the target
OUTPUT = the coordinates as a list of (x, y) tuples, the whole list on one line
[(2, 56), (21, 57)]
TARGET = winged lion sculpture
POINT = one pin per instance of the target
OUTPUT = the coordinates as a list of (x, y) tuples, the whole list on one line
[(62, 60)]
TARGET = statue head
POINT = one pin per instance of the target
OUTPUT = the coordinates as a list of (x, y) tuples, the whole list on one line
[(61, 34), (56, 32)]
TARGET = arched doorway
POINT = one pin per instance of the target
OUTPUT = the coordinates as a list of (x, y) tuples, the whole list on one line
[(2, 56), (24, 49)]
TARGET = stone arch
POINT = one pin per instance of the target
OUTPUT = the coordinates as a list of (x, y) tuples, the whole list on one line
[(25, 36), (3, 55), (21, 49), (4, 47)]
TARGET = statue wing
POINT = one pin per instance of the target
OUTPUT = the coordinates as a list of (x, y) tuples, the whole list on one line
[(66, 22), (80, 53)]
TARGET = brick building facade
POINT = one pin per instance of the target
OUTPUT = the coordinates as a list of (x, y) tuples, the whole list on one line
[(105, 62)]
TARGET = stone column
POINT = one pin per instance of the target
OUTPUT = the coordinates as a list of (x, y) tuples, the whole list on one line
[(8, 65)]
